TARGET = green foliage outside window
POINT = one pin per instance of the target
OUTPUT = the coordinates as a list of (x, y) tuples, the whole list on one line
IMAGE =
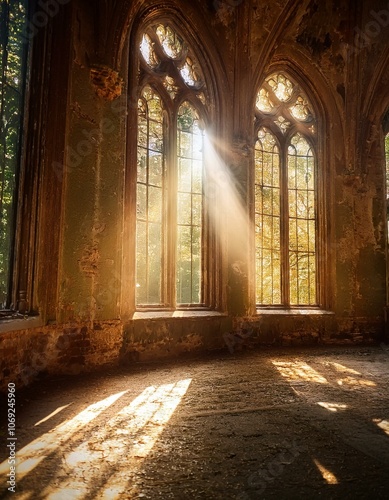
[(12, 50)]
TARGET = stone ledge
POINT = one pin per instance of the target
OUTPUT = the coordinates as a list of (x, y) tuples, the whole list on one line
[(15, 324), (187, 313), (293, 312)]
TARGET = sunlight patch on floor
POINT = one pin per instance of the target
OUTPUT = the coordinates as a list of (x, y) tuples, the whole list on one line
[(334, 407), (31, 455), (119, 445), (328, 476), (356, 382), (341, 368), (299, 371), (382, 424)]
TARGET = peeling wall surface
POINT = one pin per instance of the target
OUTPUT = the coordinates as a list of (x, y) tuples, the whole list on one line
[(79, 143)]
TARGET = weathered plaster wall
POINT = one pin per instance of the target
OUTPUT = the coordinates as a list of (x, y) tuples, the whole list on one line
[(30, 353), (37, 352), (91, 246)]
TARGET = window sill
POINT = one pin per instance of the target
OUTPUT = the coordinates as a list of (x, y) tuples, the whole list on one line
[(176, 314), (262, 311), (15, 324)]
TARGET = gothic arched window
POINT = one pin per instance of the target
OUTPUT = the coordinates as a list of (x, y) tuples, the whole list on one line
[(170, 235), (285, 195)]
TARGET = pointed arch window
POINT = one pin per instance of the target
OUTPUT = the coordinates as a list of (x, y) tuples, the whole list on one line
[(171, 241), (285, 195)]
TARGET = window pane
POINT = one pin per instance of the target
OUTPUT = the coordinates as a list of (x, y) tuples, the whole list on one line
[(302, 238), (147, 51), (155, 136), (196, 264), (141, 202), (154, 263), (190, 75), (189, 205), (154, 204), (170, 41), (185, 145), (142, 132), (184, 209), (197, 176), (267, 220), (300, 109), (141, 263), (184, 265), (156, 169), (184, 175), (197, 205), (150, 200), (142, 164), (281, 86)]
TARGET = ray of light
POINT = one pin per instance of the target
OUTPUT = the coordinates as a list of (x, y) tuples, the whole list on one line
[(227, 209)]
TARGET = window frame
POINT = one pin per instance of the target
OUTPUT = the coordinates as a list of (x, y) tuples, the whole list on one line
[(17, 303), (322, 229), (145, 76)]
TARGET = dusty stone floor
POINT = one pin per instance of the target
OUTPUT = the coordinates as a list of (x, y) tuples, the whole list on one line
[(297, 423)]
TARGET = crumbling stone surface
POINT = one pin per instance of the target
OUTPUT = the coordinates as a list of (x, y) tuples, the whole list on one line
[(107, 82)]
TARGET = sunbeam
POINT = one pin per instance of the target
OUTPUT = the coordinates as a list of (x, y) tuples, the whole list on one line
[(225, 204)]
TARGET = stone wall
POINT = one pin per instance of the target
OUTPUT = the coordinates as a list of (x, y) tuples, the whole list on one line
[(31, 354)]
